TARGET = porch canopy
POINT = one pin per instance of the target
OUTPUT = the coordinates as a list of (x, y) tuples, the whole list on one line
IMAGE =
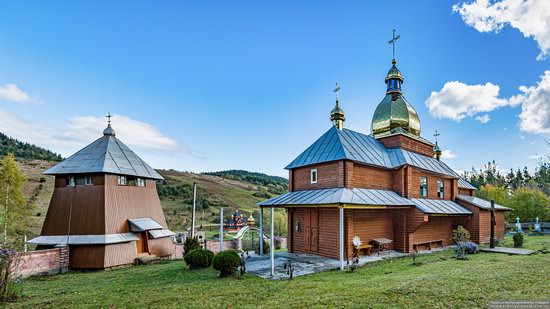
[(354, 198), (144, 224), (480, 203), (83, 239)]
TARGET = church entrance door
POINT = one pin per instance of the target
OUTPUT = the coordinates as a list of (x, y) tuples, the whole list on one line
[(311, 229), (141, 243)]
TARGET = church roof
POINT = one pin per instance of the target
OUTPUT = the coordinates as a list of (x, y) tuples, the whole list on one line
[(464, 184), (346, 144), (366, 197), (480, 203), (105, 155), (339, 196)]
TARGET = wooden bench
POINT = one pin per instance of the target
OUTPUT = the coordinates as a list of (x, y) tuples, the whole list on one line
[(365, 247), (429, 244)]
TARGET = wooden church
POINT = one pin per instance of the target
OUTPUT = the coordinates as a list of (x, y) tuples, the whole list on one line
[(105, 207), (389, 188)]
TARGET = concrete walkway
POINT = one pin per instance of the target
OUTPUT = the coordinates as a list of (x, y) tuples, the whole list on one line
[(507, 250), (304, 264)]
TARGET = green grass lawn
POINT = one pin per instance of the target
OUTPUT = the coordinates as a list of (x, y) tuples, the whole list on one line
[(440, 281)]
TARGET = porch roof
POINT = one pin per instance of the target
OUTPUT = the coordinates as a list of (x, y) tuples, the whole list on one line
[(439, 207), (144, 224), (330, 196), (84, 239), (479, 202)]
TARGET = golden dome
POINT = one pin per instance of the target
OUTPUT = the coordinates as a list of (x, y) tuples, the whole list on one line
[(395, 113)]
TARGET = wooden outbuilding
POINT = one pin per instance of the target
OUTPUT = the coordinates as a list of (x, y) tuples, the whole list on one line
[(105, 207), (390, 187)]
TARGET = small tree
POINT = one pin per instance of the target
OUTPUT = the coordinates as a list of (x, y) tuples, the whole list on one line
[(16, 211), (10, 283), (529, 204), (226, 262), (461, 236), (190, 244)]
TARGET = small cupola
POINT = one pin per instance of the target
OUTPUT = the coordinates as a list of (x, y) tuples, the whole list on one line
[(337, 114), (394, 79), (109, 131)]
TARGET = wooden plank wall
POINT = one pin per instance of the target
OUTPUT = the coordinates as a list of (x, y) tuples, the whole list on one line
[(87, 215), (329, 175), (368, 224), (161, 246), (480, 225), (407, 143), (120, 254), (87, 257), (130, 202), (469, 192), (432, 184)]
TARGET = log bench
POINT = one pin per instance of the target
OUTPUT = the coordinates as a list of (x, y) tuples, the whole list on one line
[(364, 247), (428, 244)]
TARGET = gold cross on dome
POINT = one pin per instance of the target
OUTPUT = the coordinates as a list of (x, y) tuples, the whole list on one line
[(337, 90), (393, 40)]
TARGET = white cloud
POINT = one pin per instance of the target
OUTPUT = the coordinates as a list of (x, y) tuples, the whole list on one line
[(132, 132), (530, 17), (10, 92), (457, 100), (536, 157), (80, 131), (535, 106), (448, 154), (483, 119)]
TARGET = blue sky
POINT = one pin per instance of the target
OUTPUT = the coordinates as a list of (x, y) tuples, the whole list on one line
[(222, 85)]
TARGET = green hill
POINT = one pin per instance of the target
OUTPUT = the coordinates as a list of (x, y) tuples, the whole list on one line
[(25, 150)]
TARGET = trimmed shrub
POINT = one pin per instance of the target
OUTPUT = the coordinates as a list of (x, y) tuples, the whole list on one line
[(199, 258), (518, 240), (226, 262), (191, 244), (266, 248), (470, 247)]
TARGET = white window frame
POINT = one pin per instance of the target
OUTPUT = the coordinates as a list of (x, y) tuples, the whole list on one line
[(311, 173), (88, 180), (440, 193), (423, 193), (122, 181), (71, 180), (140, 182)]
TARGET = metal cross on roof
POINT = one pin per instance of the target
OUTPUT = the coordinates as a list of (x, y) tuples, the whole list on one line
[(436, 134), (337, 90), (109, 116), (393, 40)]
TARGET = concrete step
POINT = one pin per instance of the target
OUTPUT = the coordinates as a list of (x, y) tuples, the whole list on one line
[(147, 259)]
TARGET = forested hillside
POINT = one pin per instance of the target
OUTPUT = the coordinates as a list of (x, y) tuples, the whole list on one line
[(25, 150)]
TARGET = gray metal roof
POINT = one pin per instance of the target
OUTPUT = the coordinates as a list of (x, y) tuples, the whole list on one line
[(479, 202), (105, 155), (464, 184), (350, 145), (161, 233), (440, 207), (83, 239), (143, 224), (339, 196)]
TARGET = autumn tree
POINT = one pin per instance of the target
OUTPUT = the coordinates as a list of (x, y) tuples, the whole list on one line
[(15, 211), (528, 204)]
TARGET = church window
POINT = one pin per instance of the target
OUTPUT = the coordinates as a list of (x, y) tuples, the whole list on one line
[(89, 180), (313, 176), (121, 180), (298, 226), (423, 186), (440, 189), (71, 181), (140, 182)]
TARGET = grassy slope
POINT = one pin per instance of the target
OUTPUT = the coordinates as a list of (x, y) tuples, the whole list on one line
[(440, 282), (222, 191)]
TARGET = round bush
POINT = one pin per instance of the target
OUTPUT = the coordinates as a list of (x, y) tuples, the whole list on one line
[(199, 258), (226, 262), (191, 244), (518, 240)]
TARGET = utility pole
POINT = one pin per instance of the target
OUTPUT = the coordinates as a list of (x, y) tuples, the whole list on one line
[(193, 212)]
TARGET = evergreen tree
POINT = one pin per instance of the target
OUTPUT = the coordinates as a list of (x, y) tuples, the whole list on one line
[(15, 211)]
